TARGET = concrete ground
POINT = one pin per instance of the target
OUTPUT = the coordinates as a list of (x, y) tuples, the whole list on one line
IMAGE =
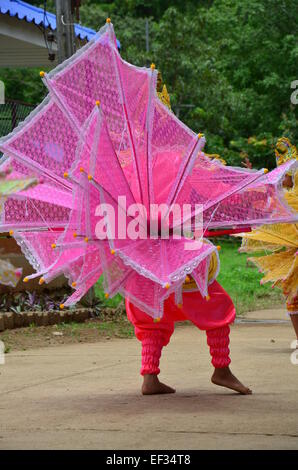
[(86, 396)]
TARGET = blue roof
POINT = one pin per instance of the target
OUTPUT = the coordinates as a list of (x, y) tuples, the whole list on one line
[(32, 14)]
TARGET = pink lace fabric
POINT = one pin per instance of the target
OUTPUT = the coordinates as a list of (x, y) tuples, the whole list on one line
[(133, 147)]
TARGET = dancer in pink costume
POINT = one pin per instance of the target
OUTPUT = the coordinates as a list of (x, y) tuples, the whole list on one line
[(213, 314), (102, 138)]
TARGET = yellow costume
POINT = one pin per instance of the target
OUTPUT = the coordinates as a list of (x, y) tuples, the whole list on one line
[(281, 266), (164, 96)]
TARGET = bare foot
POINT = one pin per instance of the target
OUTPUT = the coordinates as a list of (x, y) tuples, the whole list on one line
[(152, 386), (225, 378)]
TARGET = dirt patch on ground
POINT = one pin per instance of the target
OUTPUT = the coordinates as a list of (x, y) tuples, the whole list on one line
[(90, 331)]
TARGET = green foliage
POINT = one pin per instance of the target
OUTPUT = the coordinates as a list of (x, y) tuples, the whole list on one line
[(100, 295), (23, 84), (232, 61), (246, 294)]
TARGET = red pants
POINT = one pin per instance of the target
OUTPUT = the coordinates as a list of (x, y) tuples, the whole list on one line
[(213, 316)]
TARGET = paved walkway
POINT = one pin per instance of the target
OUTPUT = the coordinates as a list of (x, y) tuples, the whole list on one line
[(86, 396)]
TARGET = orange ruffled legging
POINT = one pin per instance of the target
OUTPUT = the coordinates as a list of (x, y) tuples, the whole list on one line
[(213, 315)]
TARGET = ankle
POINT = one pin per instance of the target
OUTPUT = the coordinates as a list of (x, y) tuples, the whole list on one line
[(221, 371), (150, 378)]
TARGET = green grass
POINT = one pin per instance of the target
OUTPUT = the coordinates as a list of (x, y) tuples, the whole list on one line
[(242, 281), (239, 278), (121, 328), (99, 292)]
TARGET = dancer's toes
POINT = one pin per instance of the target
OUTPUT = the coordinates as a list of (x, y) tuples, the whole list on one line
[(152, 386), (224, 378)]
